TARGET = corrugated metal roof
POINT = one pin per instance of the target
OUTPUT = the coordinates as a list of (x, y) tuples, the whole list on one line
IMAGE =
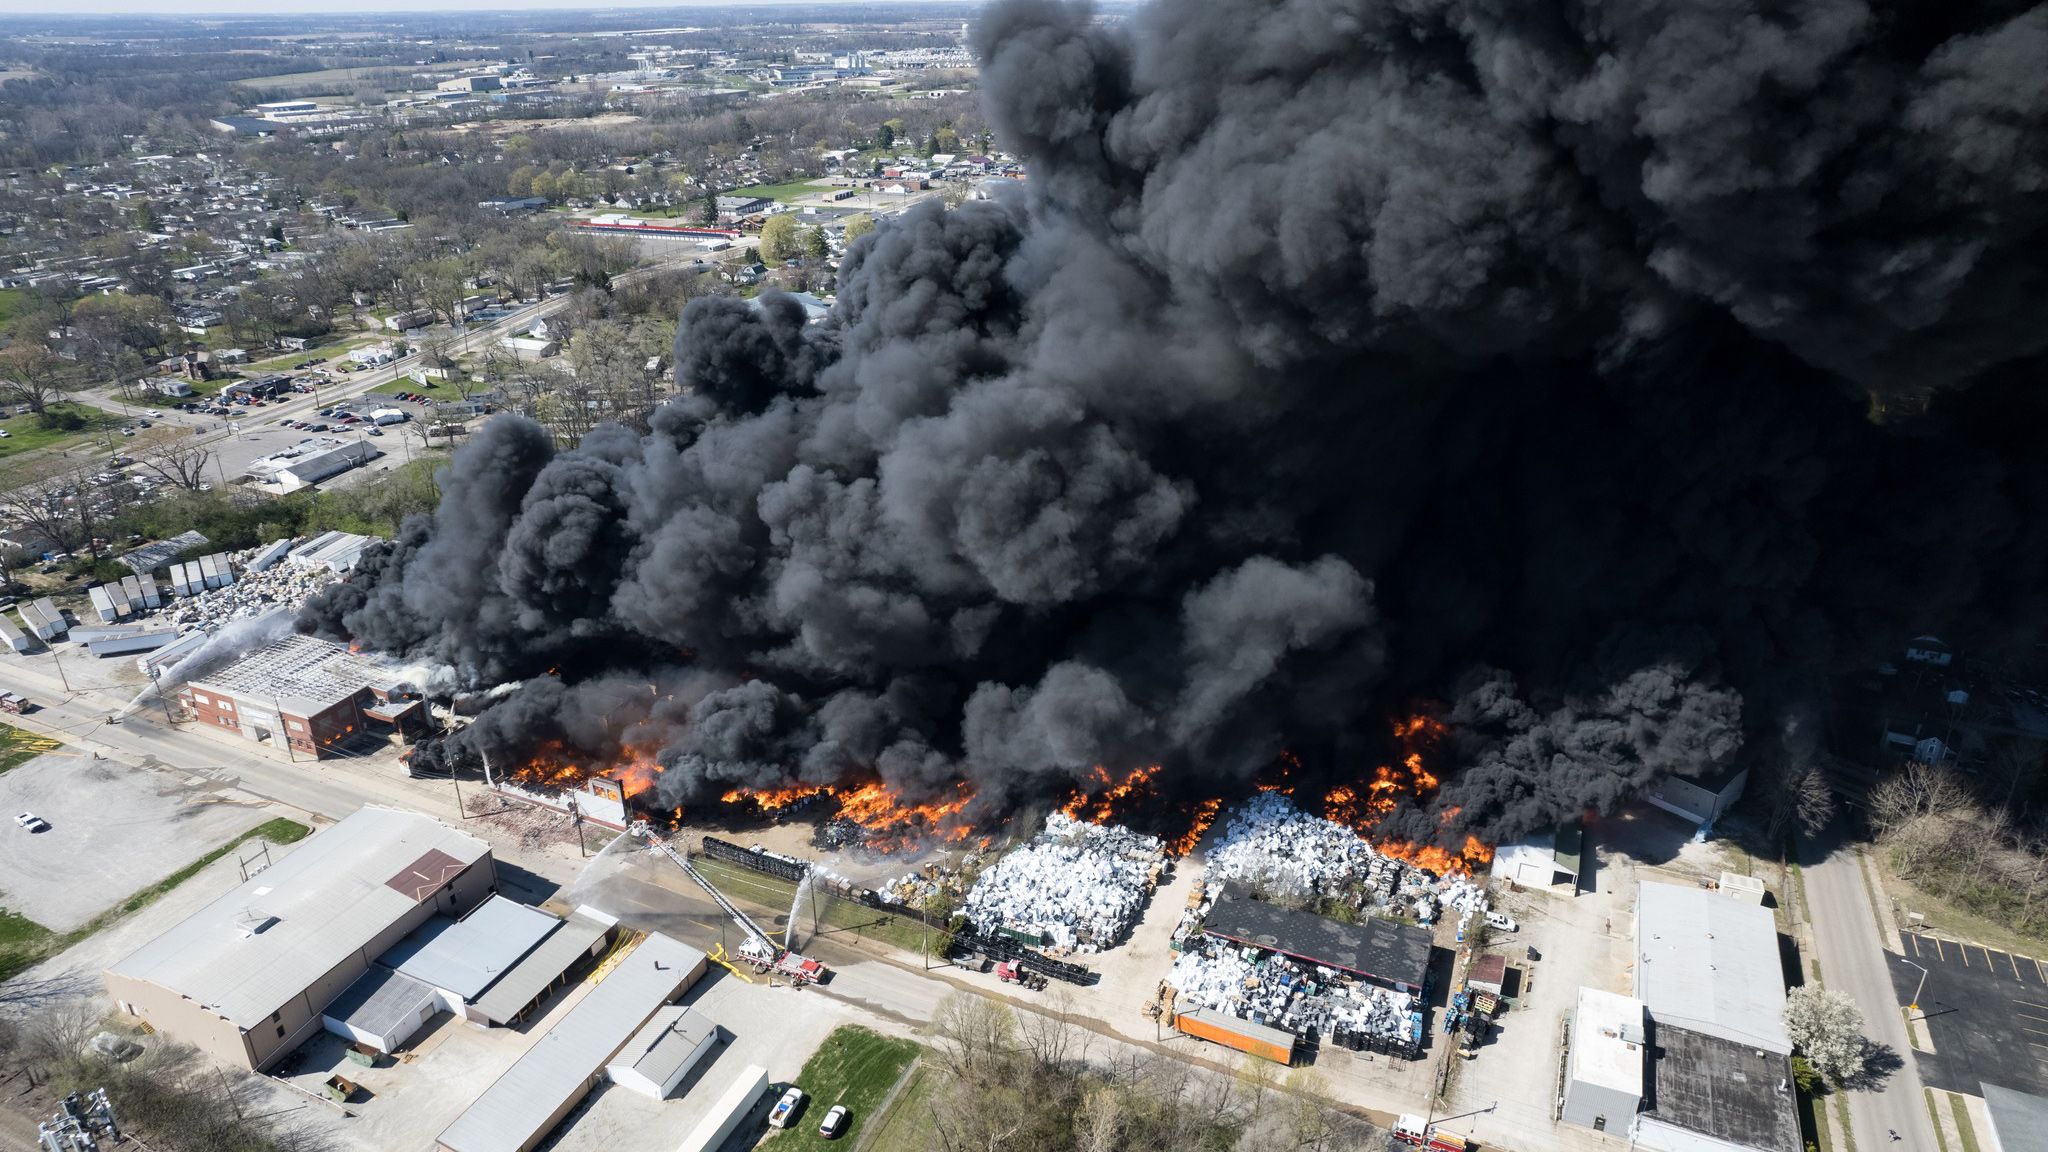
[(328, 898), (667, 1042), (2019, 1119), (532, 975), (1382, 949), (516, 1112), (382, 1002), (1710, 964), (466, 956)]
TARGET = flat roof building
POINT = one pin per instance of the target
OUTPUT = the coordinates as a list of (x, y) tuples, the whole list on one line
[(1711, 964), (531, 1098), (1382, 950), (1709, 1094), (1604, 1075), (2019, 1120), (1541, 859), (246, 978), (459, 959), (307, 692)]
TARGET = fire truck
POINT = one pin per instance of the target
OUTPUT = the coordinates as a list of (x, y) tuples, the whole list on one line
[(1417, 1132)]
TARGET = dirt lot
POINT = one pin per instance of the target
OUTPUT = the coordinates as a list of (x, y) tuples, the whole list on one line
[(114, 830)]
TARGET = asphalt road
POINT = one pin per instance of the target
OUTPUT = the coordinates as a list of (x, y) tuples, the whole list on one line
[(1853, 960), (1985, 1010)]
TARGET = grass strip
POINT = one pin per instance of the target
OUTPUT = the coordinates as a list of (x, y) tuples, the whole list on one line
[(855, 1066), (1964, 1129)]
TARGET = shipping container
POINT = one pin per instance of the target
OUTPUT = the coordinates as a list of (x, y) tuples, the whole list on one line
[(1243, 1035)]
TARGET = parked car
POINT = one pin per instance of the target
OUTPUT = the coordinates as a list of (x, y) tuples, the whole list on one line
[(35, 823), (1502, 922), (834, 1125), (785, 1108)]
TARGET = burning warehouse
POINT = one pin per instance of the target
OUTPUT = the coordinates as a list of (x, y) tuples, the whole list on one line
[(309, 694), (1518, 393)]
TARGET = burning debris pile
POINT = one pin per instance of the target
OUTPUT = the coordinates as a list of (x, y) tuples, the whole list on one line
[(1532, 359), (1287, 855), (1270, 989), (869, 817), (1075, 885)]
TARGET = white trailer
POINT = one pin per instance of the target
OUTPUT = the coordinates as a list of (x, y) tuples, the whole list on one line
[(151, 596), (15, 637), (390, 416), (103, 604), (731, 1110), (139, 642)]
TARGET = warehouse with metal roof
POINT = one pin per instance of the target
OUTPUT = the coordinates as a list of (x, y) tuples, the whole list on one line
[(531, 1098), (1710, 963), (1383, 950), (247, 977), (462, 958)]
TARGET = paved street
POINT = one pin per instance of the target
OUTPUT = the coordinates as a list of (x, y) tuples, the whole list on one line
[(1852, 957)]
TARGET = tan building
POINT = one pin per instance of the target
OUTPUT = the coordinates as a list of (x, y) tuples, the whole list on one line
[(313, 694), (245, 978)]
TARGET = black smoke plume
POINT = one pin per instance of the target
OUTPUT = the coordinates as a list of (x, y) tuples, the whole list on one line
[(1614, 377)]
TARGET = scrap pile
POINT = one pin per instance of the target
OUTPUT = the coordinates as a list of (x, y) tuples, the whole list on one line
[(1286, 854), (1307, 1000), (252, 594), (1074, 885)]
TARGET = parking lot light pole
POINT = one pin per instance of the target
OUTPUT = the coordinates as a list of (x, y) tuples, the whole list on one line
[(1915, 1005)]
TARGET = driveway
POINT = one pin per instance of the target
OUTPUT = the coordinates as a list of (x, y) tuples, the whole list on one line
[(1986, 1011)]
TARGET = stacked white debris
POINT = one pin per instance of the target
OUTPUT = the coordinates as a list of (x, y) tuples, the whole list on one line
[(257, 593), (1075, 884), (1282, 993), (1273, 847)]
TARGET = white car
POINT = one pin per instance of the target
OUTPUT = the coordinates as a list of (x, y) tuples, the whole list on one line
[(785, 1108), (32, 822), (1502, 922)]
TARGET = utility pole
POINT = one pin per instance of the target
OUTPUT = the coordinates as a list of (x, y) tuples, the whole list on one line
[(156, 680)]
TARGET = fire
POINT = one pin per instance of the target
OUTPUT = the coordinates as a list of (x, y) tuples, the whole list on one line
[(1205, 815), (890, 822), (1100, 806), (1365, 806)]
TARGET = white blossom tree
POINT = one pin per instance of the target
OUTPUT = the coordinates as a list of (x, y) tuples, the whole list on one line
[(1828, 1028)]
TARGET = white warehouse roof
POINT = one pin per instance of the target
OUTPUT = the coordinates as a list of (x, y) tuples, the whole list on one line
[(468, 955), (519, 1109), (1710, 964), (277, 933), (1607, 1042)]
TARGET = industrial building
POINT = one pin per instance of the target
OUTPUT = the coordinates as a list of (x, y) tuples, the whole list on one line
[(1542, 860), (295, 472), (489, 967), (246, 979), (309, 693), (663, 1052), (1383, 951), (1710, 963), (1698, 1059), (1700, 800), (532, 1097)]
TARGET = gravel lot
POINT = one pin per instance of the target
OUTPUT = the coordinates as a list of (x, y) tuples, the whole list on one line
[(114, 830)]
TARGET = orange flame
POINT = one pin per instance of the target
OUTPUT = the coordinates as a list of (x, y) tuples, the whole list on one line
[(1100, 807), (891, 823), (1205, 815), (1365, 807)]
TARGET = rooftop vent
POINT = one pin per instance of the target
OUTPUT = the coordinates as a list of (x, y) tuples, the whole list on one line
[(253, 921)]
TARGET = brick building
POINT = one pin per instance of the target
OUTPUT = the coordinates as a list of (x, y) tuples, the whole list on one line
[(312, 694)]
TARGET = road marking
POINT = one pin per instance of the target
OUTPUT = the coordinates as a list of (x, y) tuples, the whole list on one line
[(1964, 951), (1915, 942), (2041, 971), (2033, 1032), (2031, 1004), (1943, 956), (2015, 962)]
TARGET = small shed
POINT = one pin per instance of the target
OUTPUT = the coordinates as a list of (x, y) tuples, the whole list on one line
[(1488, 973), (382, 1009), (663, 1052)]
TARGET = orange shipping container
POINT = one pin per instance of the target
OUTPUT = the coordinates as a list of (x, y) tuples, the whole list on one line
[(1243, 1035)]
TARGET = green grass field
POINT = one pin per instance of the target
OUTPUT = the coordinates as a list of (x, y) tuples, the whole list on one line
[(25, 943), (908, 1125), (26, 433), (438, 389), (794, 190), (855, 1067), (10, 302)]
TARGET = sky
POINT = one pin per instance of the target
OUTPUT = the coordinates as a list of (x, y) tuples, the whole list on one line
[(345, 7)]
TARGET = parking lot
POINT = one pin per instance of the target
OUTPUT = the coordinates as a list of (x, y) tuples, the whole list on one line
[(1985, 1010), (114, 830)]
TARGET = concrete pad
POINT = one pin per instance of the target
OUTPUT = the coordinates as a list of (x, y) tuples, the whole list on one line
[(114, 830)]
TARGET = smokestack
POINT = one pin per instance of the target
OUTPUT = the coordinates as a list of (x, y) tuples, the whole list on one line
[(1614, 380)]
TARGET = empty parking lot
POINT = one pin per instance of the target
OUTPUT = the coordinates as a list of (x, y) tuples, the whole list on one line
[(1985, 1010)]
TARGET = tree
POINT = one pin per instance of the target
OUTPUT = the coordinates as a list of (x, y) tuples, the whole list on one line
[(814, 243), (31, 374), (1828, 1029), (779, 238), (175, 455), (708, 212), (885, 136), (859, 226)]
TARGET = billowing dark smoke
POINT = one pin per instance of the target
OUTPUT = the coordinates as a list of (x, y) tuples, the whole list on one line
[(1612, 376)]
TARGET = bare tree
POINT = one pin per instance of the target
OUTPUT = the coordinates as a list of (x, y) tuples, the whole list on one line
[(178, 456), (31, 374)]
